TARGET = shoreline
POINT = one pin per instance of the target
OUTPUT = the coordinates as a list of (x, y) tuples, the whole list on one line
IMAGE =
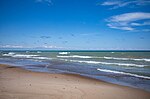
[(24, 84)]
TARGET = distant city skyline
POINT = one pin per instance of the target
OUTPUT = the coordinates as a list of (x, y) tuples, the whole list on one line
[(75, 24)]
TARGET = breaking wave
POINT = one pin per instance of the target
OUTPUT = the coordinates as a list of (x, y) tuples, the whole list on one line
[(25, 56), (75, 56), (9, 54), (106, 63), (124, 73), (109, 58), (135, 59), (64, 53)]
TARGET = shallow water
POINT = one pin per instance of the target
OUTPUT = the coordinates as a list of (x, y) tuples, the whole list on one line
[(120, 67)]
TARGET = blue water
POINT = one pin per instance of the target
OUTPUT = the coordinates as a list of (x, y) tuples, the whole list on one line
[(129, 68)]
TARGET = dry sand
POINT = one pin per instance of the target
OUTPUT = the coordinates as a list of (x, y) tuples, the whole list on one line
[(16, 83)]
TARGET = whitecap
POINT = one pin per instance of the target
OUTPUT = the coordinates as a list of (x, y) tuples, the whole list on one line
[(75, 56), (39, 52), (64, 53), (105, 57), (24, 56), (9, 54), (124, 73), (106, 63), (42, 58), (135, 59)]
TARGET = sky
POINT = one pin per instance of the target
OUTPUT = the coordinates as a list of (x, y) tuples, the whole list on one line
[(75, 24)]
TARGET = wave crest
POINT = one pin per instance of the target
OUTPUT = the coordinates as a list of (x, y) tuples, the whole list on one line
[(105, 57), (64, 53), (124, 73), (106, 63), (75, 56)]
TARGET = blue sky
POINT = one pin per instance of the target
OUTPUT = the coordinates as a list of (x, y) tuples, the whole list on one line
[(75, 24)]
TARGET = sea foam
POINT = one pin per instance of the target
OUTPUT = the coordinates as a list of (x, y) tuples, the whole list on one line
[(24, 56), (42, 58), (64, 53), (124, 73), (106, 63), (74, 56), (135, 59), (9, 54), (105, 57)]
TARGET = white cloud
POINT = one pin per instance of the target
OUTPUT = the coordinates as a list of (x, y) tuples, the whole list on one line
[(49, 2), (128, 21), (109, 3), (127, 17), (135, 24), (120, 27), (50, 46), (19, 46), (122, 3), (11, 46)]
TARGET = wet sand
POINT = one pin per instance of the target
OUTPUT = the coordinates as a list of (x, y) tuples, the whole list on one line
[(17, 83)]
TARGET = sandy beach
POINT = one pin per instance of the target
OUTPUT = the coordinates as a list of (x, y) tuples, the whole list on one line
[(17, 83)]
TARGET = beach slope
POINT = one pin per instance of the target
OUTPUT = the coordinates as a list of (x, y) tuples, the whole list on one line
[(16, 83)]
